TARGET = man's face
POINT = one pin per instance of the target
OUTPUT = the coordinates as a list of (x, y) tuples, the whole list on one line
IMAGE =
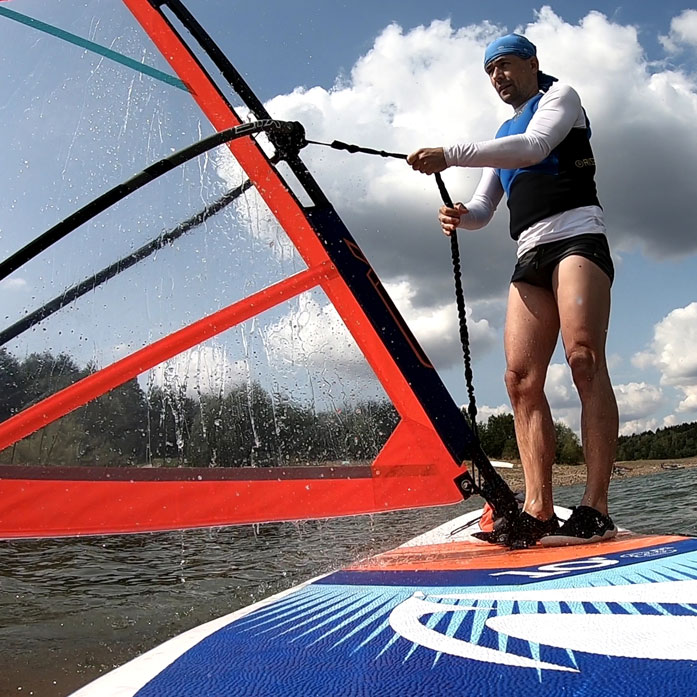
[(514, 78)]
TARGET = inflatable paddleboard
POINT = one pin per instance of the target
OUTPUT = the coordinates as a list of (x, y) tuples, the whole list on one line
[(444, 614)]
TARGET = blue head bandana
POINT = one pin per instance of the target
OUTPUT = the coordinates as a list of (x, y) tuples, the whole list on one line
[(518, 46), (505, 45)]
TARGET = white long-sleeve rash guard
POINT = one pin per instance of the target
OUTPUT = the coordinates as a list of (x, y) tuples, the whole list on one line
[(558, 111)]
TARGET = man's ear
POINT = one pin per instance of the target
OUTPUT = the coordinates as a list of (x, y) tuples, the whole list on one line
[(535, 64)]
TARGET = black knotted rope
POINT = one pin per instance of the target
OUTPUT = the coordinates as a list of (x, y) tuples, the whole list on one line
[(339, 145), (461, 311)]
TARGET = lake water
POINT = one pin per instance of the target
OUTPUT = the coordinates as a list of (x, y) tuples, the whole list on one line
[(72, 609)]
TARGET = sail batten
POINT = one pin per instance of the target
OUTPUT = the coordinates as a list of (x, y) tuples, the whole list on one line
[(93, 47)]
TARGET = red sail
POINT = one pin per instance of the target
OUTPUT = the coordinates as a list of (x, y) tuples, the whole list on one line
[(414, 468)]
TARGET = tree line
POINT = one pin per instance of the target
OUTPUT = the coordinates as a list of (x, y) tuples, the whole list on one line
[(163, 425), (498, 440), (670, 442)]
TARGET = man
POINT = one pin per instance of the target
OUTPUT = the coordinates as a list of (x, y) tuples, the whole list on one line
[(542, 159)]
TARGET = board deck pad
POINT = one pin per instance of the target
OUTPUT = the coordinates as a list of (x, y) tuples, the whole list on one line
[(443, 615)]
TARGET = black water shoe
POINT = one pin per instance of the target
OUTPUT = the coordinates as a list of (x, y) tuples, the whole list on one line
[(528, 530), (524, 531), (584, 526)]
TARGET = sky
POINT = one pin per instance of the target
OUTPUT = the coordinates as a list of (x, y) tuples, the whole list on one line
[(401, 75)]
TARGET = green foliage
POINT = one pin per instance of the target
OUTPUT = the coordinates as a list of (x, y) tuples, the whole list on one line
[(170, 415), (247, 426), (671, 442), (108, 431), (498, 437), (12, 385), (499, 441), (42, 374), (251, 427), (113, 426), (569, 450), (168, 427)]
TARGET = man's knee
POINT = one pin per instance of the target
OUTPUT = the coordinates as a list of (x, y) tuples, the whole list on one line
[(583, 363), (522, 385)]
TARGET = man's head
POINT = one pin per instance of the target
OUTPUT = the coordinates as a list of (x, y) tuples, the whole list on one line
[(512, 66)]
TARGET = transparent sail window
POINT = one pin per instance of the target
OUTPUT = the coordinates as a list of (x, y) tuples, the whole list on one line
[(286, 388)]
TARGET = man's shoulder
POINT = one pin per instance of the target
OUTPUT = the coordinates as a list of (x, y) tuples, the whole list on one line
[(560, 91)]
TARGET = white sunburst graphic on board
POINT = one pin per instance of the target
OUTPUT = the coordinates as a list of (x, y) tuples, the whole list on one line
[(642, 613)]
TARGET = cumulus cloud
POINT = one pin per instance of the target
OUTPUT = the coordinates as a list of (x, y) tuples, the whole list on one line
[(425, 86), (393, 98), (673, 349), (484, 412), (251, 212), (627, 428), (559, 387), (13, 284), (562, 396), (392, 210), (637, 401), (314, 335), (689, 402), (201, 370), (683, 32), (437, 327), (645, 190)]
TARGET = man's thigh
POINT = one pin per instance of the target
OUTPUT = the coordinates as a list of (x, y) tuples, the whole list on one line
[(582, 292), (532, 327)]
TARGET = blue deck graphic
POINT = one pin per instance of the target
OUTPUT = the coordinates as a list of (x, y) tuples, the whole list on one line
[(624, 627)]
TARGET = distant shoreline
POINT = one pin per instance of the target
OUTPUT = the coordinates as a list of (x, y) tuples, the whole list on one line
[(568, 475)]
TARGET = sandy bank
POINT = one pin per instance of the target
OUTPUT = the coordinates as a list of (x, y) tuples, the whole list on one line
[(565, 475)]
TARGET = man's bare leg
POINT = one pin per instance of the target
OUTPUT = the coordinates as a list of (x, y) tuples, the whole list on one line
[(583, 297), (532, 327)]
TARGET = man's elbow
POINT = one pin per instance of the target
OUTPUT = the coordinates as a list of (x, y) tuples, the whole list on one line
[(536, 152)]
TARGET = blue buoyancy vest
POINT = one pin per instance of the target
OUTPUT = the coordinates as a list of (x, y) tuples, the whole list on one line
[(562, 181)]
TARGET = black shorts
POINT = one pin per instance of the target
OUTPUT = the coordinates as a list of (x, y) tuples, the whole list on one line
[(537, 266)]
